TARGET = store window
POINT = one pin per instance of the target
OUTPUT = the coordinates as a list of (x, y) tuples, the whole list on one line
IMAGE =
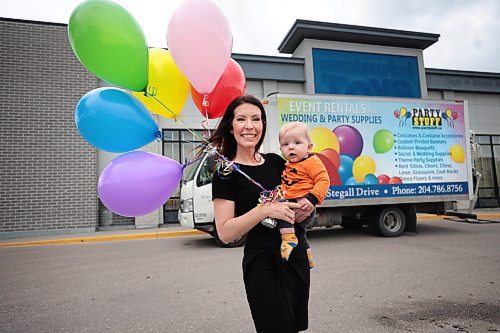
[(178, 145), (367, 74), (488, 164)]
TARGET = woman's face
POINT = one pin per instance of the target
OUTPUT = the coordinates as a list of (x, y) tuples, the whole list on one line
[(247, 125)]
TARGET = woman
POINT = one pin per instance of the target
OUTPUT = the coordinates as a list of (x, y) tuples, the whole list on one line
[(277, 291)]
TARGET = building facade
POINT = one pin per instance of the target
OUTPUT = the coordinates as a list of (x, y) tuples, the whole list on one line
[(49, 172)]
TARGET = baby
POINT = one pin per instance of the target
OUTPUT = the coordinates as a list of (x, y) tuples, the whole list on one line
[(305, 176)]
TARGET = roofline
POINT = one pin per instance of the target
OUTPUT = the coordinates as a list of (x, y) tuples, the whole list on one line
[(33, 22), (302, 29), (461, 72), (267, 58)]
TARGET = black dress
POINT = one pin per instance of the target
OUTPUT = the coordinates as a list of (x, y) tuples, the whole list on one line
[(277, 291)]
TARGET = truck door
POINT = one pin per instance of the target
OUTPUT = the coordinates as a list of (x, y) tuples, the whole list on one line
[(202, 197)]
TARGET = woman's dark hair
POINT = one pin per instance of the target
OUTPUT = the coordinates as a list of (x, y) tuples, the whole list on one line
[(223, 139)]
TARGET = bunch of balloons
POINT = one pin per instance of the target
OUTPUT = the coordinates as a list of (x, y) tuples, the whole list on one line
[(403, 115), (450, 117), (340, 151), (110, 43)]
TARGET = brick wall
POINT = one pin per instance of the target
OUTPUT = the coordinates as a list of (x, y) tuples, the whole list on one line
[(48, 172)]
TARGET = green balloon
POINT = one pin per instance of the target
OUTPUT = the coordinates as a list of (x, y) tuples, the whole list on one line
[(383, 140), (110, 43)]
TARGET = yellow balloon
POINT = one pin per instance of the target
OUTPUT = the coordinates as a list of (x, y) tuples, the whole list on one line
[(402, 112), (362, 166), (449, 113), (170, 85), (457, 153), (324, 138)]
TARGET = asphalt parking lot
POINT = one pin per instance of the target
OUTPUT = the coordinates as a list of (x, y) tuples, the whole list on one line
[(445, 278)]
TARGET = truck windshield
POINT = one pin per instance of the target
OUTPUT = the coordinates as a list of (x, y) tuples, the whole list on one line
[(190, 170), (207, 170)]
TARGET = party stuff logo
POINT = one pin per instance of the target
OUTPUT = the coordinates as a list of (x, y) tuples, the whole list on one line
[(427, 117)]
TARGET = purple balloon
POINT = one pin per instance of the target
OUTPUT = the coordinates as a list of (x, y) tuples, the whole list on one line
[(350, 140), (138, 183)]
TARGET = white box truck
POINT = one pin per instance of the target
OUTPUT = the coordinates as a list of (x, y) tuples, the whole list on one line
[(387, 158)]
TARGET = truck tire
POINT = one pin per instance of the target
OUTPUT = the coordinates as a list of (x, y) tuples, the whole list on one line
[(389, 221), (236, 243)]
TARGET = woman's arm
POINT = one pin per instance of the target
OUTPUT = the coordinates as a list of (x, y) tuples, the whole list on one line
[(231, 228)]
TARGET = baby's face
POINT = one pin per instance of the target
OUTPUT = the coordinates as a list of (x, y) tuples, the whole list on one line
[(294, 145)]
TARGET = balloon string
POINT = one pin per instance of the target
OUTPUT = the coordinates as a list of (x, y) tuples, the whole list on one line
[(188, 162), (206, 144), (174, 115), (206, 129), (204, 123)]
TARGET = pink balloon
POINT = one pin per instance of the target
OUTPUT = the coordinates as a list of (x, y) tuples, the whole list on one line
[(200, 41)]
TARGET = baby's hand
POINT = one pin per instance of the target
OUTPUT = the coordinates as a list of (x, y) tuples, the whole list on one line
[(304, 203), (306, 208)]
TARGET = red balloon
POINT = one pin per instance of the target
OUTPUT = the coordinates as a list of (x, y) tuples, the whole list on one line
[(455, 115), (332, 171), (383, 179), (333, 156), (395, 180), (231, 85)]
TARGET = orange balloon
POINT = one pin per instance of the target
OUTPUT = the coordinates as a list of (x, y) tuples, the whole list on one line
[(395, 180)]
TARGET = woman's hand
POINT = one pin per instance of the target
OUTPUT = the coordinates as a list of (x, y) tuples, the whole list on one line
[(304, 210), (282, 211)]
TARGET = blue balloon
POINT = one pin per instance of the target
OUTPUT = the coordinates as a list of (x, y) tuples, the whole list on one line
[(351, 181), (345, 167), (371, 179), (113, 120)]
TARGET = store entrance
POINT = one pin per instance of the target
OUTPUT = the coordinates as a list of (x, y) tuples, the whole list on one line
[(178, 145), (488, 164)]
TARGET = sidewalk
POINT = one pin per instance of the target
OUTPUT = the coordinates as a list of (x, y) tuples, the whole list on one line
[(481, 213), (173, 231), (102, 236)]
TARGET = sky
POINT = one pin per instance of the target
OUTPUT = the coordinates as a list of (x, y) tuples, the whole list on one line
[(469, 29)]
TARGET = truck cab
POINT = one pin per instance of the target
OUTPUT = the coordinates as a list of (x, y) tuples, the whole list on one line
[(196, 208)]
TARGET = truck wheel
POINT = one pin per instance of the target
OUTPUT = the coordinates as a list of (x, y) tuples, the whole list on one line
[(389, 221), (236, 243)]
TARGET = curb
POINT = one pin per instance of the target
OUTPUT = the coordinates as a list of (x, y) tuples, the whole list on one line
[(111, 238)]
